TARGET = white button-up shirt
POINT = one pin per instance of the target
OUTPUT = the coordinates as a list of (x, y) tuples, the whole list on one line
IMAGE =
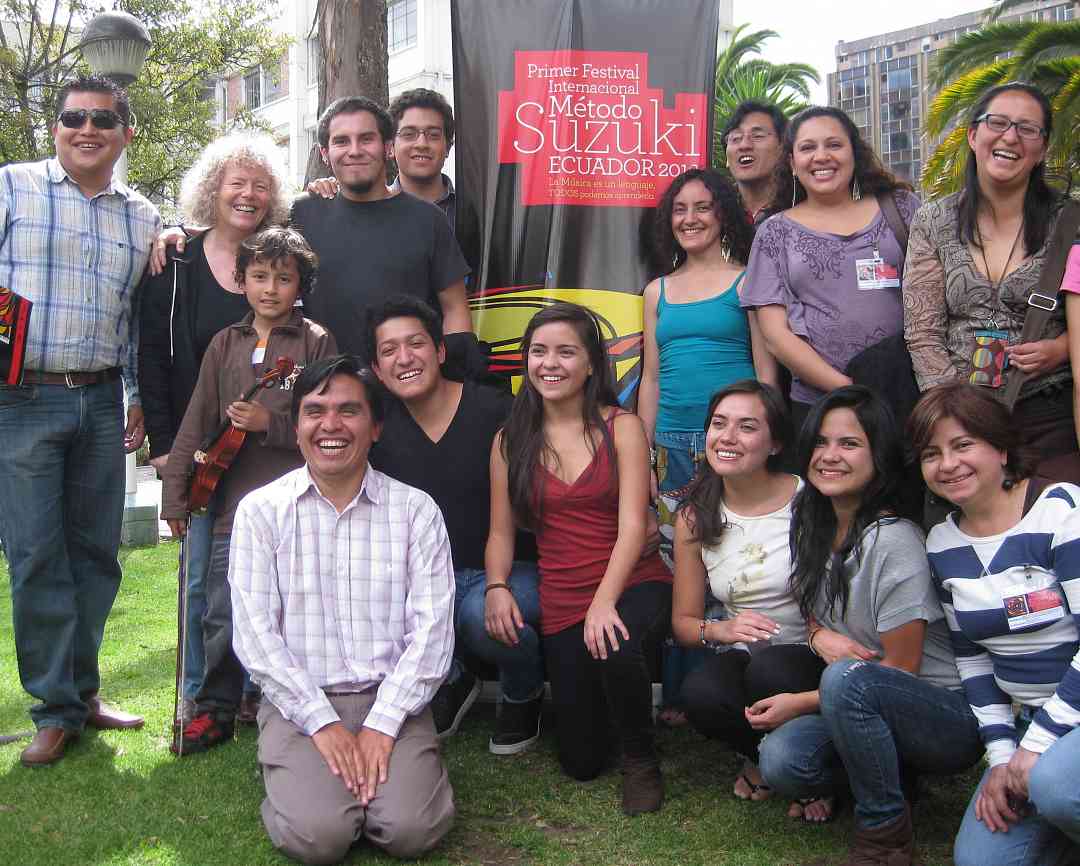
[(345, 601)]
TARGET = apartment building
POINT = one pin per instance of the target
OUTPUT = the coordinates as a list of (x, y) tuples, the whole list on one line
[(882, 81)]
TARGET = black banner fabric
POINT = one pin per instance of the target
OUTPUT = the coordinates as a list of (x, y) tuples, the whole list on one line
[(573, 116)]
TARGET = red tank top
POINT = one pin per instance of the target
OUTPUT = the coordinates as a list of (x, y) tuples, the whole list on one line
[(579, 526)]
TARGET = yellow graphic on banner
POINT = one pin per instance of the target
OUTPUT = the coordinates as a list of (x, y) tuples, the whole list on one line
[(501, 315)]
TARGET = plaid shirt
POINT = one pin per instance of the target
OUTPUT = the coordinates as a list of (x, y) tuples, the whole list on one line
[(346, 601), (79, 260)]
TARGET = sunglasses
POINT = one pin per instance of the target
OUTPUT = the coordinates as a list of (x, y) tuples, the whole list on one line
[(101, 118)]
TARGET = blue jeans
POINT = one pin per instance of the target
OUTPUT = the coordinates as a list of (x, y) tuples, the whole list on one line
[(199, 536), (678, 453), (521, 667), (873, 720), (881, 718), (61, 509), (1050, 835)]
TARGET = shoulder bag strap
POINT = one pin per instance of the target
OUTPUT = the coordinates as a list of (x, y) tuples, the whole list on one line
[(887, 203), (1043, 300)]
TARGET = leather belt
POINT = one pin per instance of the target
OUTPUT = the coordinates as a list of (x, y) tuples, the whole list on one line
[(76, 379)]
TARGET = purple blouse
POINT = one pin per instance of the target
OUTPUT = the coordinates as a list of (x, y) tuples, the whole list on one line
[(813, 275)]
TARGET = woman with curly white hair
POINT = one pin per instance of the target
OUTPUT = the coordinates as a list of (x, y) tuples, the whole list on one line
[(237, 186)]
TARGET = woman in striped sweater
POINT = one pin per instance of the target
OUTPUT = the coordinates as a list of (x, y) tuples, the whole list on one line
[(1007, 568)]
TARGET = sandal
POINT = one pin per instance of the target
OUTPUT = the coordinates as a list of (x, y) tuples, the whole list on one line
[(760, 788), (802, 802)]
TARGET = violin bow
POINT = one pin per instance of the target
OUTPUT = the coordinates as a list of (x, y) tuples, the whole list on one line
[(181, 640)]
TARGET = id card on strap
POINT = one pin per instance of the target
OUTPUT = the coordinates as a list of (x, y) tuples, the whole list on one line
[(14, 324), (988, 360), (876, 273)]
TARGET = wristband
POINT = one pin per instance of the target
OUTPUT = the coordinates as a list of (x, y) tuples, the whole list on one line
[(810, 639), (704, 623), (492, 586)]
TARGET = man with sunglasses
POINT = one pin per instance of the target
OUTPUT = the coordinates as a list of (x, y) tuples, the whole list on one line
[(73, 242)]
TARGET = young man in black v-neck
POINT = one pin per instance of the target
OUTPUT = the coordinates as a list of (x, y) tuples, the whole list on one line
[(437, 436)]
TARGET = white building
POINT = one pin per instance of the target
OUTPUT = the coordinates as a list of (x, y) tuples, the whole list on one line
[(420, 55)]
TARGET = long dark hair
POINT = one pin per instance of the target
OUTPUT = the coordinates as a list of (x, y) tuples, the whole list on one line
[(872, 176), (705, 496), (1039, 200), (524, 445), (736, 231), (817, 571)]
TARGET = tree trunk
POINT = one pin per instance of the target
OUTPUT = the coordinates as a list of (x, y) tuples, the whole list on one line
[(352, 57)]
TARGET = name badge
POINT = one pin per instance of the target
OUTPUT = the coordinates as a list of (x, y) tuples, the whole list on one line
[(988, 359), (876, 273), (1033, 607)]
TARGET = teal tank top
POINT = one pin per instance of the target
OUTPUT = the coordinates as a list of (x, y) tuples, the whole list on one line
[(703, 346)]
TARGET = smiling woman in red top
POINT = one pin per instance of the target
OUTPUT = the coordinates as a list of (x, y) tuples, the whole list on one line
[(574, 468)]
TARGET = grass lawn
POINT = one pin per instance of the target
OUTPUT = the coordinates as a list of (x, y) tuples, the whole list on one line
[(121, 798)]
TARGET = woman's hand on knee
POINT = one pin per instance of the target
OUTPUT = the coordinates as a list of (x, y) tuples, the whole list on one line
[(502, 616), (603, 624), (992, 805)]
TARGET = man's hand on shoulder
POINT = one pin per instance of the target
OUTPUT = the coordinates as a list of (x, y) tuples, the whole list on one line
[(375, 749), (341, 750)]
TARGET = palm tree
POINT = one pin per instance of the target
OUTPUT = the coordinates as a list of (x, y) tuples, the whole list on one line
[(741, 77), (1046, 54)]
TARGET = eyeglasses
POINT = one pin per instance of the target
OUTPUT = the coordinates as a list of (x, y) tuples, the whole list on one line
[(410, 133), (101, 118), (756, 136), (1000, 123)]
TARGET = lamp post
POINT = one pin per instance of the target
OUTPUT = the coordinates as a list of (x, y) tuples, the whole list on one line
[(115, 45)]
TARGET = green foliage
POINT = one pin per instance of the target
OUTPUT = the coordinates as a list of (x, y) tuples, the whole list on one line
[(1046, 54), (740, 77), (193, 42)]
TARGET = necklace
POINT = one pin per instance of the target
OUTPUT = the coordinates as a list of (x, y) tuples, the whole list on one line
[(996, 284)]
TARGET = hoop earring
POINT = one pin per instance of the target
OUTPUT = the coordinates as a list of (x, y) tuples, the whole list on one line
[(794, 189), (856, 193)]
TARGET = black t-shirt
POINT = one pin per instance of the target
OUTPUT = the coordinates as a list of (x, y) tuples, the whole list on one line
[(215, 307), (369, 251), (455, 470)]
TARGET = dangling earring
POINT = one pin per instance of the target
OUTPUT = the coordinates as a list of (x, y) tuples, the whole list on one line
[(856, 193), (725, 250), (794, 189)]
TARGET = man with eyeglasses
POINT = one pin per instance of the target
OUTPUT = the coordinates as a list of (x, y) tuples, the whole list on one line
[(424, 134), (74, 243), (753, 143), (371, 241)]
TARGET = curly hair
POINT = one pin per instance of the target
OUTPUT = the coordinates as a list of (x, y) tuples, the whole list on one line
[(244, 149), (872, 176), (274, 244), (736, 232)]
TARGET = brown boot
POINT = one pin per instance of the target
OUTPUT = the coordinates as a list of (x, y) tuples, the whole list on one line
[(642, 785), (890, 845)]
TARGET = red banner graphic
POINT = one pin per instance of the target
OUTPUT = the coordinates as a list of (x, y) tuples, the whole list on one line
[(586, 129)]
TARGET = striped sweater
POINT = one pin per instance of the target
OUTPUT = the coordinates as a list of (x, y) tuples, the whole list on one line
[(1009, 602)]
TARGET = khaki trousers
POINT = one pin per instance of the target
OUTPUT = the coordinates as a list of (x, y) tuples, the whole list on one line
[(312, 817)]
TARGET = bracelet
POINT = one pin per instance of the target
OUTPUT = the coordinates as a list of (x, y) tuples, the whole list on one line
[(704, 623), (810, 639), (492, 586)]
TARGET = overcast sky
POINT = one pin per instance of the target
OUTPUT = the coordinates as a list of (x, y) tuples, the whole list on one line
[(810, 29)]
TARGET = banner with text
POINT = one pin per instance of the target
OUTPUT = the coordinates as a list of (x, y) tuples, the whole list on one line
[(573, 116)]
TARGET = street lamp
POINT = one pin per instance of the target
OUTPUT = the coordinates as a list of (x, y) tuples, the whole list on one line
[(115, 45)]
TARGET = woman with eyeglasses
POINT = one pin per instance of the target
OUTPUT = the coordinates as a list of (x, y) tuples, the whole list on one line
[(825, 270), (975, 257)]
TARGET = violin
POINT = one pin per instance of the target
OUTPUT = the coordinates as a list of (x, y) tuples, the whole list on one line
[(226, 442)]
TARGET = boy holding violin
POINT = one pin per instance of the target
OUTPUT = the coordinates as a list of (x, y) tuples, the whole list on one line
[(237, 435)]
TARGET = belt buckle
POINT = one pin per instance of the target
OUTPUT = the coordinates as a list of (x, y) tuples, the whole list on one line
[(68, 381), (1045, 302)]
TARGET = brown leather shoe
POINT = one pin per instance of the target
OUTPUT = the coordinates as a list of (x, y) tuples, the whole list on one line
[(106, 718), (642, 785), (47, 747)]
